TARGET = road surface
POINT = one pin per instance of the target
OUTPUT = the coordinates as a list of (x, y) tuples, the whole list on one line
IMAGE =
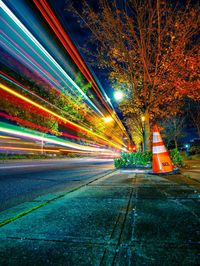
[(24, 181)]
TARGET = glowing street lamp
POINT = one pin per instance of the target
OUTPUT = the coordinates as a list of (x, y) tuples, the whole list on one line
[(118, 95), (144, 133), (108, 119)]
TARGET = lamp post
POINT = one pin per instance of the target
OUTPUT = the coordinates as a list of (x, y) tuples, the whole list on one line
[(144, 133)]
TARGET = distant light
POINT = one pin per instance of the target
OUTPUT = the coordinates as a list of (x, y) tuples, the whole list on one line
[(186, 145), (143, 118), (108, 119), (118, 95), (131, 148)]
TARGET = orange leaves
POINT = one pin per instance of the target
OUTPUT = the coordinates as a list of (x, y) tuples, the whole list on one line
[(152, 53)]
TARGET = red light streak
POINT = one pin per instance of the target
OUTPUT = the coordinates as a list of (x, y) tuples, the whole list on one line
[(88, 116), (26, 123), (56, 26), (66, 42), (36, 106)]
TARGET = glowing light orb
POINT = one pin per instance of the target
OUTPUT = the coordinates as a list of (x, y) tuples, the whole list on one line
[(118, 95)]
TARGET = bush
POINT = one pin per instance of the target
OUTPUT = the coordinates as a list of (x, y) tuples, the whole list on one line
[(176, 157), (144, 159), (133, 160), (194, 150)]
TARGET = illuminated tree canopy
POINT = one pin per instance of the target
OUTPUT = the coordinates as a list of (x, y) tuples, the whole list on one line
[(150, 50)]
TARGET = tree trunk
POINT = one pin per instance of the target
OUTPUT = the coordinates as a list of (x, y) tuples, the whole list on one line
[(198, 130), (147, 133), (175, 142)]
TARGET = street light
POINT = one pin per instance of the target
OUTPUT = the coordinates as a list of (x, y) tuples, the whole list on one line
[(118, 95), (108, 119), (144, 133)]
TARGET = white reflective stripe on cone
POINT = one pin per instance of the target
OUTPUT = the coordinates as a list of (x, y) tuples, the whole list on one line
[(159, 149), (156, 137)]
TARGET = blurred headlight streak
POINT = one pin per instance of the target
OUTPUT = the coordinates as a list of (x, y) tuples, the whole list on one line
[(34, 135), (5, 88), (16, 83), (49, 90), (45, 53)]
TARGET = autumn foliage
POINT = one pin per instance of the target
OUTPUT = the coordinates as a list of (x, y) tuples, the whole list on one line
[(150, 51)]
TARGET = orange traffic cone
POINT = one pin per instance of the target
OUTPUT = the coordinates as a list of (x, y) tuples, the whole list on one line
[(161, 160)]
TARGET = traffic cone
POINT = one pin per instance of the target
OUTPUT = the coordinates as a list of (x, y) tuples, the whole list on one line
[(161, 160)]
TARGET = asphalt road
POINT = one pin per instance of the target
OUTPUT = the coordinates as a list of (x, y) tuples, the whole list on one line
[(24, 181)]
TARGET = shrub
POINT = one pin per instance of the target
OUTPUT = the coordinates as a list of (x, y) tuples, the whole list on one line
[(144, 159), (133, 160), (194, 150), (176, 157)]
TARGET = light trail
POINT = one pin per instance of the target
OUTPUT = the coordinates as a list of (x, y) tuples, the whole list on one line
[(65, 40), (41, 128), (16, 94), (49, 78), (28, 57), (27, 123), (42, 49), (6, 137), (34, 59), (56, 26), (22, 58), (30, 134), (19, 100), (16, 83)]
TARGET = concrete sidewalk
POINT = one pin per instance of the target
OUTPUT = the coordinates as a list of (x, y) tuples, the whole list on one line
[(192, 170), (122, 218)]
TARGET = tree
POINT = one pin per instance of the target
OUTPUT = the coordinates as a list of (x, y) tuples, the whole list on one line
[(173, 129), (149, 49), (136, 126), (193, 109)]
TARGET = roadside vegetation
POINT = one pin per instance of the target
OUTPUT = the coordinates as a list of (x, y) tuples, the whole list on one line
[(144, 159)]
